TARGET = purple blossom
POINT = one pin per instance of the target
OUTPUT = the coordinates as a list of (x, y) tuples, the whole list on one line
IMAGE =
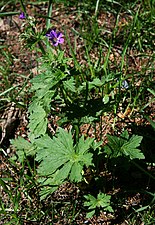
[(22, 16), (55, 37)]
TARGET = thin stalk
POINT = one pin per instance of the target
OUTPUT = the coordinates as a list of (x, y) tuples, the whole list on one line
[(101, 123), (107, 58), (23, 6), (48, 20), (96, 8), (77, 131), (72, 52), (91, 67), (86, 96), (41, 48), (128, 40), (64, 94), (8, 90)]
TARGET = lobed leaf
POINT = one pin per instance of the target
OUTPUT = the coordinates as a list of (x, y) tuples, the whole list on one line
[(59, 158), (23, 147), (124, 146), (102, 201), (70, 85), (38, 120)]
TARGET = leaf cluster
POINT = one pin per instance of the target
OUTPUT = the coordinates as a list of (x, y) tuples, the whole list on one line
[(102, 201), (45, 87), (124, 146), (60, 159)]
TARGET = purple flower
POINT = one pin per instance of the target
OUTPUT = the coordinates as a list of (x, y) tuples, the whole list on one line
[(22, 16), (55, 37)]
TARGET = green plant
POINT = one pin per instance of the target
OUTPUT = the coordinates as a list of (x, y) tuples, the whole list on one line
[(102, 201), (69, 94), (60, 159), (15, 188), (124, 146)]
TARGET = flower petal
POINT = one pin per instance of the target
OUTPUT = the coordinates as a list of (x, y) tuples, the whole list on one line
[(61, 40), (54, 37), (22, 16)]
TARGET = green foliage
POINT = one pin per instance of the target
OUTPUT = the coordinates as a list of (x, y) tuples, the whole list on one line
[(69, 85), (23, 148), (45, 86), (16, 187), (37, 126), (124, 146), (60, 159), (8, 90), (80, 93), (102, 201)]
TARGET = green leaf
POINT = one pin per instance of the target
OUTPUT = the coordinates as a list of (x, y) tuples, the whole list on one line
[(96, 83), (70, 85), (106, 99), (113, 147), (43, 145), (65, 141), (75, 174), (102, 201), (49, 185), (84, 145), (60, 159), (96, 145), (38, 120), (134, 141), (130, 148), (23, 148), (87, 119), (124, 146), (64, 171), (125, 135), (90, 214), (2, 14)]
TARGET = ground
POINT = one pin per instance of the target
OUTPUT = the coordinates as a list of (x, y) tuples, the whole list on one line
[(21, 65)]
